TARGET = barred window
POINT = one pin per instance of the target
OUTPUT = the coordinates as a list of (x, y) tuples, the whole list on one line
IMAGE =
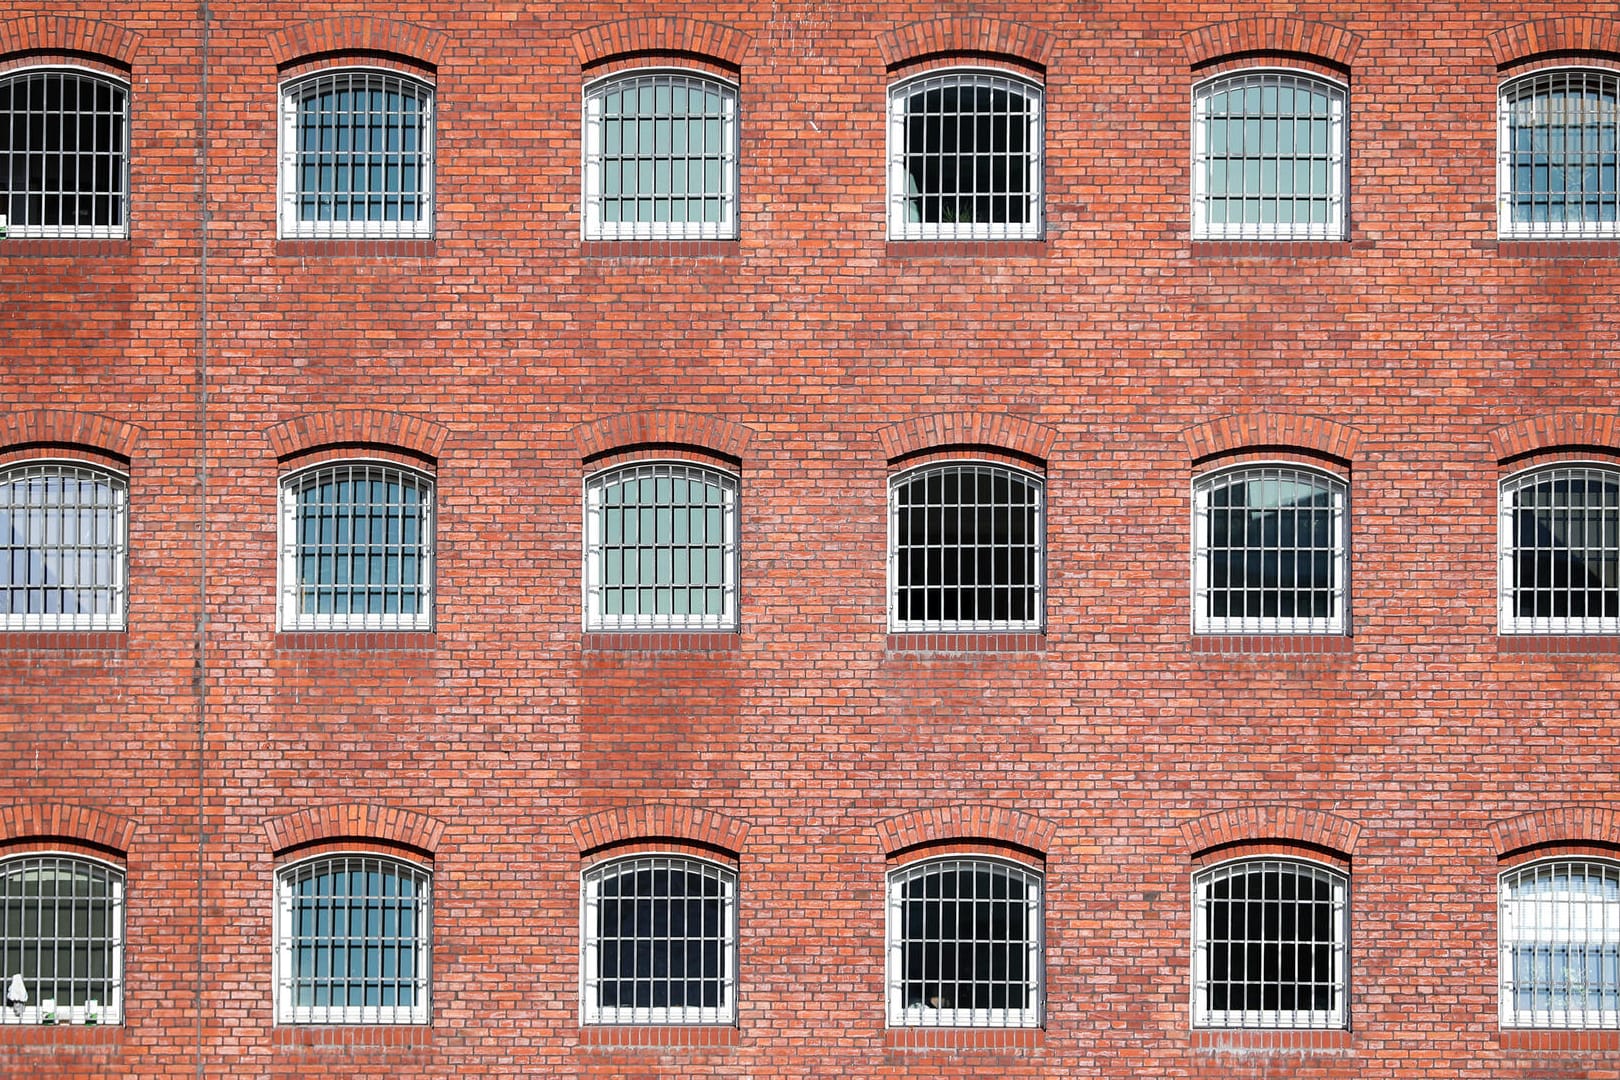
[(1269, 946), (1268, 157), (61, 941), (967, 550), (353, 942), (1269, 552), (64, 139), (965, 944), (1558, 153), (965, 157), (357, 548), (660, 157), (1560, 943), (357, 156), (661, 548), (63, 530), (1560, 551), (659, 942)]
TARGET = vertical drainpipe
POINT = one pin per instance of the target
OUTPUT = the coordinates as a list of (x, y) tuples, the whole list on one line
[(200, 672)]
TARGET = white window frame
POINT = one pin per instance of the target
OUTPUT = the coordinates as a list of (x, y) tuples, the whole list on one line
[(289, 615), (1508, 555), (938, 1014), (594, 152), (109, 1011), (1331, 229), (1037, 617), (292, 227), (726, 619), (1277, 1019), (900, 227), (288, 1011), (591, 1010), (1337, 620), (1552, 920), (1508, 227), (59, 229), (116, 588)]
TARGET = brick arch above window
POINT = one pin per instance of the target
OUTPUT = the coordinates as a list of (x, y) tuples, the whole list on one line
[(1557, 826), (668, 36), (966, 821), (662, 428), (1001, 431), (357, 427), (357, 34), (30, 428), (70, 35), (1333, 45), (1572, 35), (659, 821), (354, 821), (1265, 431), (1260, 823), (64, 821), (965, 35), (1557, 431)]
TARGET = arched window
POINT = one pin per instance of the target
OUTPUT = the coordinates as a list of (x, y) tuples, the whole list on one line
[(966, 549), (1268, 157), (63, 529), (1558, 152), (965, 157), (64, 153), (660, 157), (1560, 943), (1560, 551), (965, 944), (1269, 945), (660, 942), (61, 941), (353, 941), (357, 548), (356, 155), (661, 548), (1269, 551)]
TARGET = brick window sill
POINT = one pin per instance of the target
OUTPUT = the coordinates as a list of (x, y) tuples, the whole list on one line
[(662, 641), (1559, 1041), (340, 1038), (913, 644), (63, 641), (59, 246), (360, 247), (965, 249), (1558, 644), (1556, 249), (1276, 249), (948, 1038), (1277, 1043), (59, 1038), (659, 249), (1273, 644), (353, 641), (657, 1036)]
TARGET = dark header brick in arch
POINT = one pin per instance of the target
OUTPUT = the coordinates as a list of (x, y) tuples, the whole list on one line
[(662, 427), (58, 427), (1573, 35), (1254, 431), (357, 34), (357, 427), (69, 34), (966, 821), (938, 430), (1276, 36), (53, 821), (1258, 823), (965, 35), (354, 821), (669, 35), (659, 821), (1555, 431), (1557, 825)]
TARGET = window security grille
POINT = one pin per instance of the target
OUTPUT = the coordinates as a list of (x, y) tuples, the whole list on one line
[(1269, 552), (357, 549), (64, 154), (62, 930), (62, 548), (967, 549), (660, 158), (965, 945), (660, 942), (1269, 946), (965, 158), (353, 936), (357, 156), (1268, 157), (1560, 940), (1559, 154), (661, 549), (1560, 545)]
